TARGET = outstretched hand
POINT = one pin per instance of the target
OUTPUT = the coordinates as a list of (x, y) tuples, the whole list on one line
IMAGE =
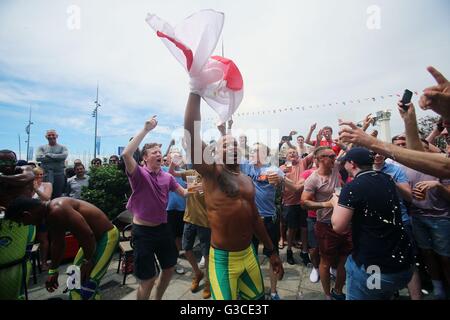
[(151, 123), (352, 134), (437, 98)]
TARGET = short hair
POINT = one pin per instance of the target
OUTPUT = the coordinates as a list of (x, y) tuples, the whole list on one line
[(328, 127), (148, 146), (114, 156), (78, 164), (398, 137), (51, 130), (320, 149), (38, 170), (9, 151), (300, 137), (96, 160), (19, 205)]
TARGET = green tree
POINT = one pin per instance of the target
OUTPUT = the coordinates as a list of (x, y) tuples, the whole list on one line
[(426, 126), (108, 189)]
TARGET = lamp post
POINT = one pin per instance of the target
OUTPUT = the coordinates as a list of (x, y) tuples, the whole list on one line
[(28, 131), (95, 115)]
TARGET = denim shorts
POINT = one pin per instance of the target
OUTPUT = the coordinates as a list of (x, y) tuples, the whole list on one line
[(432, 233), (363, 284), (189, 234)]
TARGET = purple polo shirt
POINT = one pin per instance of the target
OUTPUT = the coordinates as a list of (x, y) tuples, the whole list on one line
[(148, 201)]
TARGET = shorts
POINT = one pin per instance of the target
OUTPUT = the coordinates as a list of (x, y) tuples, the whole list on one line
[(332, 244), (104, 251), (273, 230), (204, 235), (235, 273), (432, 233), (295, 217), (151, 241), (176, 223), (312, 241)]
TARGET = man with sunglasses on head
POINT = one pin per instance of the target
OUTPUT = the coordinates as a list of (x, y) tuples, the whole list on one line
[(52, 157), (317, 194)]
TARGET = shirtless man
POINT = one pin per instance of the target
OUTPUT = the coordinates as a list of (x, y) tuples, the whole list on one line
[(97, 236), (14, 181), (232, 215)]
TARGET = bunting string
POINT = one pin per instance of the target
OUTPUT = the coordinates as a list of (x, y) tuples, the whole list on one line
[(313, 106)]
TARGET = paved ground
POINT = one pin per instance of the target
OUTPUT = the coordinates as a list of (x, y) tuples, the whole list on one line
[(295, 285)]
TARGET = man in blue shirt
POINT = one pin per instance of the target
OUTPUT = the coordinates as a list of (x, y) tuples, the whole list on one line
[(175, 209), (265, 179)]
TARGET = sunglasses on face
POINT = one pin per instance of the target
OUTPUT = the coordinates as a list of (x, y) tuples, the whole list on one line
[(330, 156)]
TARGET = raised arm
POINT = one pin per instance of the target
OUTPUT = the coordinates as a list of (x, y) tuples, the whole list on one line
[(412, 132), (127, 155), (172, 143), (308, 137), (196, 146), (430, 163)]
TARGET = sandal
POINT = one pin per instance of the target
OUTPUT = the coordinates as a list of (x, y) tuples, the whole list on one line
[(280, 245)]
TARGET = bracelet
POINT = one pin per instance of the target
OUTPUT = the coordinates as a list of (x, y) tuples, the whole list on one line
[(52, 271)]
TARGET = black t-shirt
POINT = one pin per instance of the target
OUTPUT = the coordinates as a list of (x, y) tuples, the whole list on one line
[(379, 237)]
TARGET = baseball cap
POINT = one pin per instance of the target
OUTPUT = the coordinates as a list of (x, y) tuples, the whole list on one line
[(361, 156)]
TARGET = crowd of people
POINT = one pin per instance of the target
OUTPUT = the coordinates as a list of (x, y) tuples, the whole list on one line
[(353, 208)]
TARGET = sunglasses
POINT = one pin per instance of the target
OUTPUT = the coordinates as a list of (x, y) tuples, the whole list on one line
[(330, 156)]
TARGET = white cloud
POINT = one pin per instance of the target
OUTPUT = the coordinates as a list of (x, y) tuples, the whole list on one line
[(292, 53)]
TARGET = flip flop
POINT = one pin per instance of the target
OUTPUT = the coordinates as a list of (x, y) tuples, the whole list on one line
[(280, 246)]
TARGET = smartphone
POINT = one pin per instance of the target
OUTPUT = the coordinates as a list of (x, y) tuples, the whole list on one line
[(406, 99), (287, 138)]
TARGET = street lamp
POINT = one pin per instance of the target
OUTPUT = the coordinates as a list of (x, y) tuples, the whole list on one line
[(95, 115), (28, 131)]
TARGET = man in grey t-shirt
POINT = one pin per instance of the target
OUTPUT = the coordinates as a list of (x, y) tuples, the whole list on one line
[(318, 191), (52, 157)]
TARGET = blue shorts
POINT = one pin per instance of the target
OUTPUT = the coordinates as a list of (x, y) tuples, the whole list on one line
[(189, 234), (432, 233)]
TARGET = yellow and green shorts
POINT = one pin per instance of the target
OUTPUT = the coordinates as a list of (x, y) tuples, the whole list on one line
[(233, 273), (105, 249)]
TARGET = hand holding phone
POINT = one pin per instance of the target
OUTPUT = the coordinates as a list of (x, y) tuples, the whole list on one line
[(406, 99)]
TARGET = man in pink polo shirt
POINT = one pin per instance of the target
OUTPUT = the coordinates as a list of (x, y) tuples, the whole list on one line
[(148, 202)]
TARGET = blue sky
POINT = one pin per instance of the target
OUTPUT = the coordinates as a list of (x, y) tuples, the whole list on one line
[(290, 53)]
